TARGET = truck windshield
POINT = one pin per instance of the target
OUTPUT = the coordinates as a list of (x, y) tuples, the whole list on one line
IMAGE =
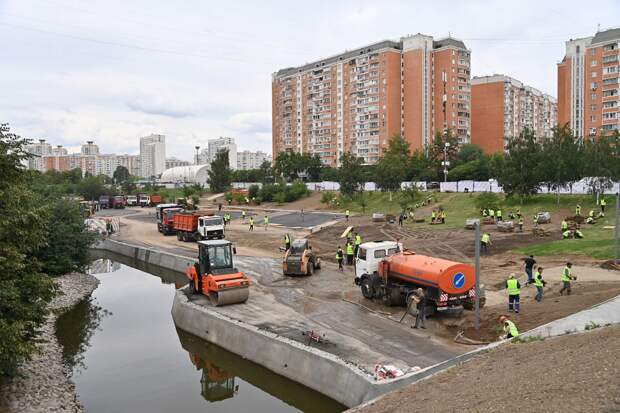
[(209, 222), (220, 256)]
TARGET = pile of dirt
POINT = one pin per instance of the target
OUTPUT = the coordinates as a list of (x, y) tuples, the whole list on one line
[(609, 265), (577, 373)]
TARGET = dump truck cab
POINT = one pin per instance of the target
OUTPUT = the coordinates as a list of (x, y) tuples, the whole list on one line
[(215, 276), (211, 227), (369, 254), (159, 214)]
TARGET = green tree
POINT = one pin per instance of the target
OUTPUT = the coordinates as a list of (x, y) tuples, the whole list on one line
[(68, 240), (391, 169), (602, 160), (92, 187), (438, 148), (220, 175), (563, 161), (521, 170), (24, 289), (121, 174), (350, 174)]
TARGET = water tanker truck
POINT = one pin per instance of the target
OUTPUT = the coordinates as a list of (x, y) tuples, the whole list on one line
[(384, 271)]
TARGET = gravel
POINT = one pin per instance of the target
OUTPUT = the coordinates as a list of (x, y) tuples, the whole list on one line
[(43, 384)]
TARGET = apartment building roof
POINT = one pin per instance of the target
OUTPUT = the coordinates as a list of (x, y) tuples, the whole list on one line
[(448, 41), (606, 36), (480, 80), (343, 56)]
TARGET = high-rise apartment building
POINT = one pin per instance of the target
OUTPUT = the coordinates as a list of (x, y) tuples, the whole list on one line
[(502, 107), (152, 155), (589, 85), (251, 160), (354, 102), (38, 149), (207, 155), (90, 148)]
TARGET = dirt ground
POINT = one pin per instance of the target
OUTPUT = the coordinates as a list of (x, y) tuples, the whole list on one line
[(576, 373)]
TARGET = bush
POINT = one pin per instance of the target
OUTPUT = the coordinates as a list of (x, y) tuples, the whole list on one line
[(239, 199), (253, 191), (279, 197), (327, 197), (228, 196), (267, 192), (488, 200)]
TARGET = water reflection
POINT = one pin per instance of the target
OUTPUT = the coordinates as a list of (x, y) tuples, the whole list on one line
[(103, 266), (220, 368), (75, 329)]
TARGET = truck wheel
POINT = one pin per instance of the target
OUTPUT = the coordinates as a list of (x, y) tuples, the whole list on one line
[(310, 269), (178, 236), (367, 289)]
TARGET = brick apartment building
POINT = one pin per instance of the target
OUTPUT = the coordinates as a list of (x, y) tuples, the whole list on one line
[(502, 107), (588, 84), (357, 100)]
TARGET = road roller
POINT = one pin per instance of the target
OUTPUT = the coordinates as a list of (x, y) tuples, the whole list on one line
[(215, 276)]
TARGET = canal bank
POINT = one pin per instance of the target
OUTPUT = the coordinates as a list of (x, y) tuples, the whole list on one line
[(43, 384), (269, 331), (126, 354)]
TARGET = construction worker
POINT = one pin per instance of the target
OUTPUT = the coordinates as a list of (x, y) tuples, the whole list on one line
[(358, 241), (518, 212), (566, 234), (433, 216), (346, 215), (287, 242), (340, 258), (535, 220), (492, 214), (590, 220), (529, 267), (420, 299), (243, 215), (350, 254), (567, 277), (485, 242), (401, 217), (266, 222), (510, 329), (514, 293), (578, 210), (498, 214), (603, 205), (520, 224), (578, 234), (539, 283), (251, 224), (442, 216), (564, 225), (485, 212), (349, 235)]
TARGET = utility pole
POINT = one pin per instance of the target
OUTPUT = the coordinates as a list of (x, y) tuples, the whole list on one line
[(445, 161), (617, 228), (477, 303)]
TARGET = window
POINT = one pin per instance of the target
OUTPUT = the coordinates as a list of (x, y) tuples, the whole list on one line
[(361, 254), (592, 108), (392, 251), (593, 53), (592, 131), (379, 253), (594, 74), (592, 118), (594, 63), (593, 96), (593, 85)]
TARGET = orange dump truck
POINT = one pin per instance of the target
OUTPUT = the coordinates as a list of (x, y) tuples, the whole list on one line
[(448, 284)]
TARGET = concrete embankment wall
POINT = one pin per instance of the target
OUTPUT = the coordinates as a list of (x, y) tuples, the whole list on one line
[(317, 369)]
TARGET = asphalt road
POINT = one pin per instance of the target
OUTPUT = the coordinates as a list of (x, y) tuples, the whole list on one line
[(308, 220)]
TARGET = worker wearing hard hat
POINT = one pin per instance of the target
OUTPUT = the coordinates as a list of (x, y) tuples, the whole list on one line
[(510, 329), (340, 258), (350, 253), (514, 293)]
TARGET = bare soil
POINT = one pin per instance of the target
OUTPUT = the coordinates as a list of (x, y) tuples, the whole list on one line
[(576, 373)]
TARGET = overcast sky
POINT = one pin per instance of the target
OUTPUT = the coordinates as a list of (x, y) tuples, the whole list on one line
[(114, 70)]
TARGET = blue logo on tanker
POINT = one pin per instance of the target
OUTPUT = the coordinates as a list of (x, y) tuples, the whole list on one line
[(458, 281)]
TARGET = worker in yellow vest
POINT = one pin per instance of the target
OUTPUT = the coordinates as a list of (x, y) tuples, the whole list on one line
[(485, 242), (564, 225), (567, 277), (358, 242), (287, 242), (514, 293), (433, 216), (346, 214), (539, 283), (251, 224), (243, 215), (266, 222), (350, 254), (498, 214), (603, 205), (510, 329), (578, 210)]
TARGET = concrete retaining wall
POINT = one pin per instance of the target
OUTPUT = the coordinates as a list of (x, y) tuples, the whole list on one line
[(317, 369)]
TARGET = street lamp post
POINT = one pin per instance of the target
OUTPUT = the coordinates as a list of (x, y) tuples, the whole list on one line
[(446, 162), (197, 148)]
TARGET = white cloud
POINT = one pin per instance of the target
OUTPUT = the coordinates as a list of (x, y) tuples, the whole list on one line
[(113, 71)]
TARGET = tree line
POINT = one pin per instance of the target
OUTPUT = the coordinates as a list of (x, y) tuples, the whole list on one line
[(42, 235), (529, 163)]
